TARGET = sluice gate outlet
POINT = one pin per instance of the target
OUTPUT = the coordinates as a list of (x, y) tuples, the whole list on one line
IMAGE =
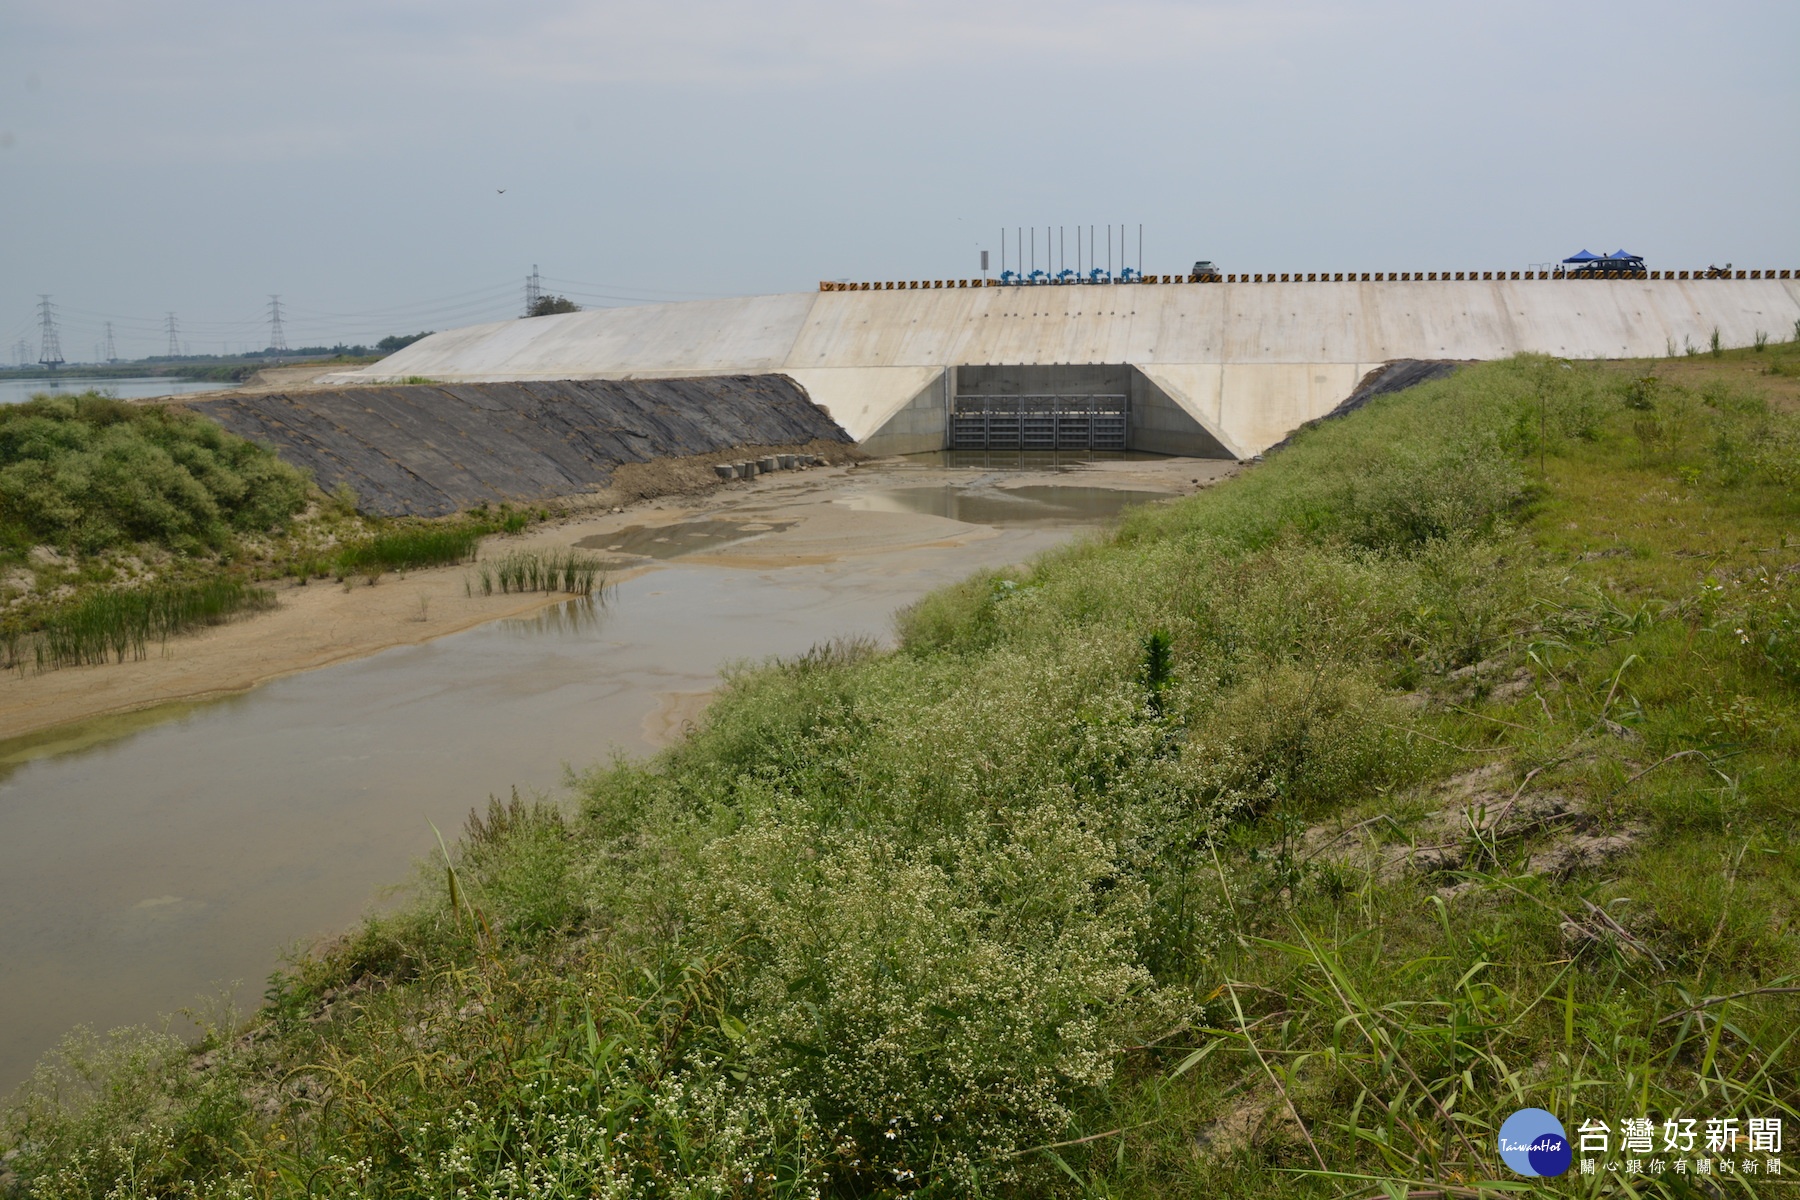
[(1038, 423), (1040, 407)]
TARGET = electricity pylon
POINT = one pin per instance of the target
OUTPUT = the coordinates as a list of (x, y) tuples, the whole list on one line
[(49, 345), (277, 339)]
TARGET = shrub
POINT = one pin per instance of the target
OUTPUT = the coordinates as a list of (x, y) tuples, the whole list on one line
[(519, 861), (399, 341), (126, 1105), (88, 473)]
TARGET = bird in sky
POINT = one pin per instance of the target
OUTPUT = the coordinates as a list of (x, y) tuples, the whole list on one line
[(502, 191)]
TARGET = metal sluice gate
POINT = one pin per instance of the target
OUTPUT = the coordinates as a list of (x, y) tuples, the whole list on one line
[(1038, 423)]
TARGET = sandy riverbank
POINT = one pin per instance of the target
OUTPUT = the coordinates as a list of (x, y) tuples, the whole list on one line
[(808, 517)]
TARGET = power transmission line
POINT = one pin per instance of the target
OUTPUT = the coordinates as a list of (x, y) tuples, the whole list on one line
[(174, 337), (616, 291), (112, 353), (277, 340), (534, 290), (50, 351)]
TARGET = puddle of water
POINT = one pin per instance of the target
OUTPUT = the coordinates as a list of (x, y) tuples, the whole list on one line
[(673, 541), (1047, 504), (148, 861)]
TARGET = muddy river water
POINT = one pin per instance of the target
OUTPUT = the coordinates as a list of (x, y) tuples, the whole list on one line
[(151, 860)]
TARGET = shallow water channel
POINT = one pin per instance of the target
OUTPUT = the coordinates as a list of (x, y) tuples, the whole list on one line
[(151, 860), (17, 391)]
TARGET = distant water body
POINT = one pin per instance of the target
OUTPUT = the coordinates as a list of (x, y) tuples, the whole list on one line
[(17, 391)]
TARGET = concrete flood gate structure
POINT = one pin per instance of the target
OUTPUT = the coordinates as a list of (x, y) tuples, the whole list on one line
[(1089, 406), (1215, 369), (1025, 407)]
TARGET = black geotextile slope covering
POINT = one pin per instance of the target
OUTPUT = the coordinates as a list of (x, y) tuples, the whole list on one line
[(1390, 377), (433, 449)]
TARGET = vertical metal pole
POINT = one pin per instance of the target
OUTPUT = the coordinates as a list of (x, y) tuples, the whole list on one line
[(1003, 249), (1140, 250)]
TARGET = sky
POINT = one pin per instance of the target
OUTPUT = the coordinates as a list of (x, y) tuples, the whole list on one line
[(388, 166)]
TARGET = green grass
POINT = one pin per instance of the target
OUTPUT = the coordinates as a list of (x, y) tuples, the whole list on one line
[(118, 624), (408, 548), (1280, 844)]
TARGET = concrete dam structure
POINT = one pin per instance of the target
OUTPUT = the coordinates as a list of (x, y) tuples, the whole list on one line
[(1214, 369)]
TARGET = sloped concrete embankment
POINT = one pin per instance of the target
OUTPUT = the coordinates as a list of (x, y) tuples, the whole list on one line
[(1241, 363), (431, 450)]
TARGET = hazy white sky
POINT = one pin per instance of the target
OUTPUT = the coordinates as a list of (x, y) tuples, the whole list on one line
[(195, 155)]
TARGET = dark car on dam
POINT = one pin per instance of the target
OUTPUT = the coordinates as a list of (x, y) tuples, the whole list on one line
[(1617, 265)]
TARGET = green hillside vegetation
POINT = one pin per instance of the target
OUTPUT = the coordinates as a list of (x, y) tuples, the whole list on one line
[(125, 524), (1281, 844), (87, 473)]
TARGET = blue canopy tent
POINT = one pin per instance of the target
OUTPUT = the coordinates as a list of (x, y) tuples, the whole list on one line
[(1618, 263)]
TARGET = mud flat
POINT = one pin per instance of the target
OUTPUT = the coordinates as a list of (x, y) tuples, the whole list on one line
[(170, 847), (820, 516)]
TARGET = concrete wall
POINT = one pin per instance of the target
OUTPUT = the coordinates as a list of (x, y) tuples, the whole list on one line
[(1051, 379), (1163, 420), (1248, 361), (921, 424), (864, 399)]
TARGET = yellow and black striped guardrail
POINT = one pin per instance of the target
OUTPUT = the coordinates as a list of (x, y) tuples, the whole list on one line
[(1308, 277)]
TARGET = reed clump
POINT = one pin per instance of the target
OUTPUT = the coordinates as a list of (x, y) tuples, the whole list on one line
[(541, 571), (409, 548), (120, 624)]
